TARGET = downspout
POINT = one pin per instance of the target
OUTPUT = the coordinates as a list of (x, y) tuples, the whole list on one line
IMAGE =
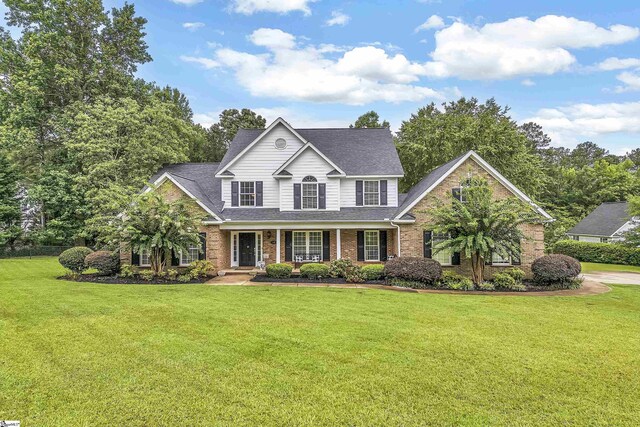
[(397, 237)]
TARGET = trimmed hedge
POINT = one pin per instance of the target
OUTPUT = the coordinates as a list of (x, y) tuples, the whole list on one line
[(554, 269), (107, 263), (606, 253), (279, 271), (373, 271), (314, 270), (422, 270), (73, 259)]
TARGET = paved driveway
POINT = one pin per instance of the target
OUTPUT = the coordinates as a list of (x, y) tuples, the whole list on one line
[(614, 277)]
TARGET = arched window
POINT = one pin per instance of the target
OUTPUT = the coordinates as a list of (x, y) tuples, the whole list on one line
[(309, 192)]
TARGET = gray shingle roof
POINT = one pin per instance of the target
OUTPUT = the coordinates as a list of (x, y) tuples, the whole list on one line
[(355, 151), (605, 220)]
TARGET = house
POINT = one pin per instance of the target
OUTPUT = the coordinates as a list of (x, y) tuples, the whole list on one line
[(607, 223), (301, 195)]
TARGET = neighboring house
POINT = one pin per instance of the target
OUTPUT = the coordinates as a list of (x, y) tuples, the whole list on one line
[(302, 195), (607, 223)]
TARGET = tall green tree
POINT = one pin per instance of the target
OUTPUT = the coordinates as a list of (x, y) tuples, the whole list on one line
[(481, 225), (10, 212), (370, 119), (220, 134), (432, 137)]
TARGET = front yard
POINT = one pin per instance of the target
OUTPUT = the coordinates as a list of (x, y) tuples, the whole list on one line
[(92, 354)]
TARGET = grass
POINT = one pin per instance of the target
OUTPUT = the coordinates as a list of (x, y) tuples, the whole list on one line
[(590, 267), (140, 355)]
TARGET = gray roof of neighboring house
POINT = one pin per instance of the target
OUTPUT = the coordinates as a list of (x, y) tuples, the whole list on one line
[(604, 221), (416, 191), (344, 214), (357, 151)]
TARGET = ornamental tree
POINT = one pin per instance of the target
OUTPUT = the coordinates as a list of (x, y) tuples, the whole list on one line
[(480, 225)]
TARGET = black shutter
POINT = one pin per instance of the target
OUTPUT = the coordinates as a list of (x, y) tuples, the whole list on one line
[(203, 246), (322, 196), (455, 192), (288, 245), (383, 245), (234, 193), (326, 246), (383, 192), (135, 258), (175, 258), (427, 244), (360, 245), (297, 197), (258, 193), (359, 193)]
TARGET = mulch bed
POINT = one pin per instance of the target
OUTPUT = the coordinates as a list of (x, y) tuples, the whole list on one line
[(263, 278), (117, 280)]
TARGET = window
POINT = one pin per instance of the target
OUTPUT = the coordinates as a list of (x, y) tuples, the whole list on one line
[(247, 193), (259, 246), (190, 255), (372, 193), (497, 259), (443, 256), (372, 245), (307, 245), (281, 143), (309, 193), (235, 247), (145, 260), (460, 193)]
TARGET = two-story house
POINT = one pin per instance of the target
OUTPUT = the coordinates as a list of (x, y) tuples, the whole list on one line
[(301, 195)]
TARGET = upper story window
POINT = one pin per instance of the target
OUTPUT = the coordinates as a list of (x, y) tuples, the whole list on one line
[(247, 193), (309, 193), (460, 193), (371, 193)]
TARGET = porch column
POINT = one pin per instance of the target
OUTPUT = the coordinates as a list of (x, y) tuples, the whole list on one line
[(277, 245), (339, 245)]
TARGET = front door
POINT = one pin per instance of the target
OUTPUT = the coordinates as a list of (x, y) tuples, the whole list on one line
[(247, 249)]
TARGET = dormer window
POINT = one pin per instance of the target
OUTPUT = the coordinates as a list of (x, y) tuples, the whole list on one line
[(372, 193), (309, 193)]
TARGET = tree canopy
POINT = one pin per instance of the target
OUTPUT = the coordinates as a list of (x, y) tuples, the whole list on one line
[(370, 119)]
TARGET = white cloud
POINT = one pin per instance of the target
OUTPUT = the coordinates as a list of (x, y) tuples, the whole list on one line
[(572, 124), (614, 63), (518, 46), (249, 7), (205, 62), (293, 70), (528, 82), (298, 119), (193, 26), (338, 18), (434, 22), (631, 82), (207, 119), (187, 2)]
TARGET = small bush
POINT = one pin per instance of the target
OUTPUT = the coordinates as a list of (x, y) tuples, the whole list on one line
[(340, 267), (127, 270), (199, 269), (553, 269), (185, 278), (423, 270), (505, 282), (355, 275), (486, 286), (147, 275), (279, 270), (373, 271), (453, 280), (107, 263), (607, 253), (172, 274), (517, 274), (314, 271), (73, 259)]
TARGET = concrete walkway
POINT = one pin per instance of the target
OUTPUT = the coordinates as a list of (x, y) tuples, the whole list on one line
[(589, 287), (621, 278)]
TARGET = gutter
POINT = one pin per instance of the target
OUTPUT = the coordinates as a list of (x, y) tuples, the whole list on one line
[(397, 237)]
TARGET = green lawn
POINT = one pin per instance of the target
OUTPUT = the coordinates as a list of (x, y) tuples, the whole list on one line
[(590, 267), (89, 354)]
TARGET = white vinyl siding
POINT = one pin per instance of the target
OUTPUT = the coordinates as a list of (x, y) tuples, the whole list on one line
[(309, 163), (589, 239), (348, 191), (259, 163)]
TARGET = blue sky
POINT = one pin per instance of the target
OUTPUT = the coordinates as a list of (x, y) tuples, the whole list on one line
[(574, 67)]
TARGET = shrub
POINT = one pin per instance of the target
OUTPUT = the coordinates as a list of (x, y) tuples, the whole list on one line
[(505, 282), (127, 270), (373, 271), (607, 253), (340, 267), (553, 269), (172, 274), (453, 280), (147, 275), (107, 263), (423, 270), (185, 278), (486, 286), (279, 270), (314, 270), (517, 273), (73, 259), (355, 275), (199, 269)]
